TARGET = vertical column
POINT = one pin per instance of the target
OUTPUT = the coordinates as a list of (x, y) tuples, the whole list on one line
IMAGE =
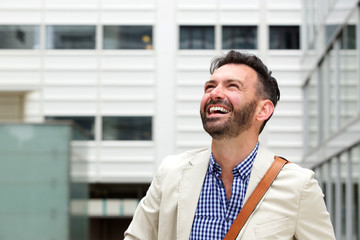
[(319, 106), (358, 56), (329, 192), (338, 200), (337, 84), (349, 197), (165, 46), (306, 118)]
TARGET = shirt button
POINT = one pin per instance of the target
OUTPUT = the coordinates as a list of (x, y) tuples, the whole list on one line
[(227, 219)]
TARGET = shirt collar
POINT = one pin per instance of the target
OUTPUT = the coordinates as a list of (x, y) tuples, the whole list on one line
[(243, 169)]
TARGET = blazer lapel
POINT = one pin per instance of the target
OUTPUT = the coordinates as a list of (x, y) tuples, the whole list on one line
[(189, 191)]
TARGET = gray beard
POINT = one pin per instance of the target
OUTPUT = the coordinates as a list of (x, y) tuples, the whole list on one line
[(239, 122)]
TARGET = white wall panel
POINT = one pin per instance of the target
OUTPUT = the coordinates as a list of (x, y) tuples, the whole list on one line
[(28, 4), (186, 120), (127, 107), (189, 106), (287, 119), (197, 3), (83, 152), (71, 4), (128, 77), (120, 150), (32, 96), (70, 77), (32, 111), (184, 91), (289, 106), (285, 4), (243, 4), (195, 77), (69, 107), (194, 61), (18, 78), (126, 3), (8, 16), (232, 17), (64, 92), (284, 17), (113, 90), (279, 57), (198, 135), (128, 62), (281, 135), (128, 17), (70, 62), (20, 62), (191, 17), (71, 16)]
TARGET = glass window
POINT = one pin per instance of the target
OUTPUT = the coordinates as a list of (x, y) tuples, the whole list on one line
[(85, 129), (128, 37), (284, 37), (70, 37), (19, 37), (239, 37), (197, 37), (348, 38), (127, 128)]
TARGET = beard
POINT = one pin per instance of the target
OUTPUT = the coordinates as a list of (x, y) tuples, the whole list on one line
[(238, 122)]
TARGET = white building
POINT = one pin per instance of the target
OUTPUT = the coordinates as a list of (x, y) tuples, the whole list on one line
[(131, 73), (332, 102)]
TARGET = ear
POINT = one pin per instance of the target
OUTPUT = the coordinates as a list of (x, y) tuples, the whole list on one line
[(265, 110)]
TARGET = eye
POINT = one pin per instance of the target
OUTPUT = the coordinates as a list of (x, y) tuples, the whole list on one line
[(234, 86), (209, 87)]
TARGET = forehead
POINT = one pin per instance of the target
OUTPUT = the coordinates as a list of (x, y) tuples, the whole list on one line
[(240, 72)]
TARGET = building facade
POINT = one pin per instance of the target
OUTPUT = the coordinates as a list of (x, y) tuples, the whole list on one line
[(332, 107), (131, 74)]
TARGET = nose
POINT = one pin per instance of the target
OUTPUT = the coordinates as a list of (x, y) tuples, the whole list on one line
[(217, 93)]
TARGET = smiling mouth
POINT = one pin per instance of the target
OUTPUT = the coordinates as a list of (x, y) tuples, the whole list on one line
[(220, 110)]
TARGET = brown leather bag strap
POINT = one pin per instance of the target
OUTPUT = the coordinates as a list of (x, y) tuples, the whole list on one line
[(255, 197)]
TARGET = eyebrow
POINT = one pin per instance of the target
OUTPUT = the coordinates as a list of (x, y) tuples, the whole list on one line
[(212, 81)]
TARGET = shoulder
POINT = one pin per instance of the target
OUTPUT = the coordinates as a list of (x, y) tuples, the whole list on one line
[(186, 158), (292, 173)]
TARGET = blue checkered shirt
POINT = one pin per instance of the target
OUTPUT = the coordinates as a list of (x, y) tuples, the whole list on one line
[(214, 213)]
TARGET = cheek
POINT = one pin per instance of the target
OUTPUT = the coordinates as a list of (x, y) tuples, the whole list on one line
[(204, 100)]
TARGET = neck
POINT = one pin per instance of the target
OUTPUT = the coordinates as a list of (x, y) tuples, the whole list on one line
[(230, 152)]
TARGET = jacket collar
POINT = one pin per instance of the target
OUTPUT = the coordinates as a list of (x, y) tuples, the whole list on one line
[(190, 186)]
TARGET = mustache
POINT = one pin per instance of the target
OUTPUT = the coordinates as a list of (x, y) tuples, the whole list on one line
[(223, 102)]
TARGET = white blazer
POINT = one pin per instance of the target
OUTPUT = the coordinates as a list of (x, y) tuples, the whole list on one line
[(293, 207)]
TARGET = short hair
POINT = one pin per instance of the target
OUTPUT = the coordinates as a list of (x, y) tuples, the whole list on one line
[(268, 87)]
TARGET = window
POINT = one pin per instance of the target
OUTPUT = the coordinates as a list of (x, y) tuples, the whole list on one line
[(127, 37), (239, 37), (70, 37), (85, 126), (284, 37), (19, 37), (348, 39), (127, 128), (197, 37)]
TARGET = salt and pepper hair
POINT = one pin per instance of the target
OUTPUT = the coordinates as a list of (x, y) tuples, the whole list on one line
[(267, 87)]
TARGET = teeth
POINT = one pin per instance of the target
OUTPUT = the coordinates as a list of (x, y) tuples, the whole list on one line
[(218, 109)]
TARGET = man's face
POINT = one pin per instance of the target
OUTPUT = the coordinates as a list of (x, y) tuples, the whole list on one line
[(229, 102)]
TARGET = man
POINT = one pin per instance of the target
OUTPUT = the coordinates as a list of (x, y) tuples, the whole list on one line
[(198, 194)]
